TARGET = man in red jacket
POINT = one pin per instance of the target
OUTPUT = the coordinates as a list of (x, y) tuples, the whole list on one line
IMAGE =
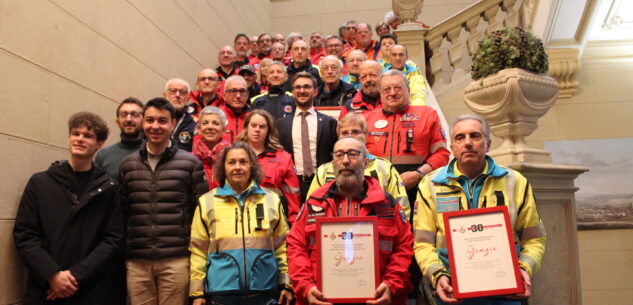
[(352, 194)]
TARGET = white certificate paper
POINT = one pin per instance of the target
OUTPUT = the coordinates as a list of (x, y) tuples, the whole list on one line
[(347, 259), (481, 253)]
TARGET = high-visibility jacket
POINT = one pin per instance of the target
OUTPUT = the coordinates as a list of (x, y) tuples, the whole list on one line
[(407, 138), (417, 84), (394, 236), (441, 192), (352, 80), (359, 104), (378, 168), (238, 243), (280, 177)]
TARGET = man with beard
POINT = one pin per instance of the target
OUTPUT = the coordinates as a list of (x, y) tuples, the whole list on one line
[(206, 95), (301, 63), (307, 135), (333, 91), (129, 118), (264, 43), (177, 92), (317, 51), (240, 44), (352, 194), (399, 61), (277, 101), (227, 68), (368, 98), (235, 106), (354, 59)]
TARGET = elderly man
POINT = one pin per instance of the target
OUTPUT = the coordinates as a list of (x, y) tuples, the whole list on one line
[(227, 67), (240, 44), (354, 125), (301, 63), (409, 136), (277, 101), (177, 92), (278, 52), (207, 93), (368, 98), (235, 106), (399, 61), (472, 180), (317, 50), (352, 194), (365, 43), (333, 91), (354, 59)]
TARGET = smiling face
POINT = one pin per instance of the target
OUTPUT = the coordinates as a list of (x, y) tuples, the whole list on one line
[(211, 130), (226, 56), (177, 93), (369, 74), (158, 126), (276, 75), (304, 91), (469, 145), (334, 46), (394, 93), (82, 142), (265, 42), (237, 166), (130, 119)]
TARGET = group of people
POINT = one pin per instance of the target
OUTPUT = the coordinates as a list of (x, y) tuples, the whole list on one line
[(211, 196)]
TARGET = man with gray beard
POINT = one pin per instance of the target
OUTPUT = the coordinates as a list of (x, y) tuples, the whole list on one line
[(352, 194)]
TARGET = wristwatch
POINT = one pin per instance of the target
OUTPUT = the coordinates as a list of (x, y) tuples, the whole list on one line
[(421, 173)]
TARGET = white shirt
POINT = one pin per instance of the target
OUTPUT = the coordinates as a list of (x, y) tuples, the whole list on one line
[(297, 150)]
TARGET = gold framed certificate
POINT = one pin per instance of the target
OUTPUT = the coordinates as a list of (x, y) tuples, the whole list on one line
[(481, 253), (347, 258)]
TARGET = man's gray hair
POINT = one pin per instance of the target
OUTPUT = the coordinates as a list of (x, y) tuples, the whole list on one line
[(474, 117), (339, 62), (357, 51), (390, 16), (292, 36), (216, 111), (394, 72), (278, 63), (231, 79), (169, 81)]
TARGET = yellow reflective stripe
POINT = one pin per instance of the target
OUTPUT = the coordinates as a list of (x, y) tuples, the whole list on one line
[(423, 236), (532, 232), (436, 146), (196, 288), (408, 159), (289, 189), (527, 263), (200, 244), (249, 242), (278, 239), (284, 279)]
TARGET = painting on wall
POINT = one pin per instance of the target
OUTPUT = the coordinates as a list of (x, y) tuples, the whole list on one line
[(605, 196)]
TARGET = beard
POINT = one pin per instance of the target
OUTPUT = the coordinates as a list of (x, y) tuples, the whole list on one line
[(347, 182)]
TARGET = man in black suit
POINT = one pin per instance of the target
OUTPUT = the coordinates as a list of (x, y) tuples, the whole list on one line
[(307, 134)]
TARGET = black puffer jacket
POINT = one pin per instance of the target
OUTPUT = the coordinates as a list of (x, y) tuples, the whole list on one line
[(55, 229), (159, 205)]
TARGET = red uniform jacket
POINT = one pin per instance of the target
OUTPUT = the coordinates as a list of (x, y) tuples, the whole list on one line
[(281, 178), (234, 121), (408, 138), (395, 237), (358, 105)]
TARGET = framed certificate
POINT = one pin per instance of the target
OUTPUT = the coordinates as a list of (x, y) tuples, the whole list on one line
[(481, 253), (347, 258)]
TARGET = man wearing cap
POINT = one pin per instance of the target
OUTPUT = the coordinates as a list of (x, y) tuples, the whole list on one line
[(248, 73)]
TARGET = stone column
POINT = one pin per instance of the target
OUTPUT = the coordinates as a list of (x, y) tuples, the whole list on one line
[(512, 101), (411, 36)]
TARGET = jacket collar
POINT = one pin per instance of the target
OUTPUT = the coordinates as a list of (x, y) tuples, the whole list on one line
[(227, 190), (451, 172), (170, 151), (372, 193)]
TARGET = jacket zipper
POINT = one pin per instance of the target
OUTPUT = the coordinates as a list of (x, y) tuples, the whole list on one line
[(393, 129), (399, 141), (244, 249)]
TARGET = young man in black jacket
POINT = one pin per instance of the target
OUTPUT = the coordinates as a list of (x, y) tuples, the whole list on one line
[(69, 229)]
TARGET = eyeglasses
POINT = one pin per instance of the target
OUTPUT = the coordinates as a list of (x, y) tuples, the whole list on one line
[(134, 114), (335, 45), (299, 87), (351, 154), (209, 78), (351, 133), (181, 91), (236, 91), (389, 89)]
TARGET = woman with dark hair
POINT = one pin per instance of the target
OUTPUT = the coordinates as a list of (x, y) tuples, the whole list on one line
[(238, 237), (209, 143), (260, 134)]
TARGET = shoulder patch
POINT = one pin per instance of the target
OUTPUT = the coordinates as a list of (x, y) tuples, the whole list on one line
[(403, 217)]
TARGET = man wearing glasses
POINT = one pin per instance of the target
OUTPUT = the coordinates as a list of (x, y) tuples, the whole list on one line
[(352, 194), (235, 107), (129, 118), (306, 134), (177, 92), (206, 95)]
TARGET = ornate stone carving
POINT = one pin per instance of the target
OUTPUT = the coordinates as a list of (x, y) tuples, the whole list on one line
[(512, 100), (564, 66), (407, 10)]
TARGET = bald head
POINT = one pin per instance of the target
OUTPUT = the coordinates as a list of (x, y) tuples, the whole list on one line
[(370, 72), (398, 56)]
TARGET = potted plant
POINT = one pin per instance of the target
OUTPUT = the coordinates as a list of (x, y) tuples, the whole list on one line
[(511, 90)]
